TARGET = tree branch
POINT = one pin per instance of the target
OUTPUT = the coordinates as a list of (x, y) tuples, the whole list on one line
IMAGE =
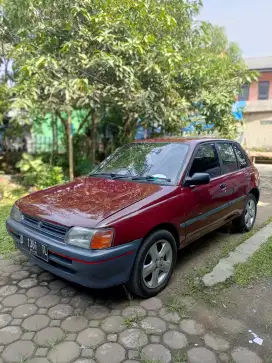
[(83, 123), (61, 119)]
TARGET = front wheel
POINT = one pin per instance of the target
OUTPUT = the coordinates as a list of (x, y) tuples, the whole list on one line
[(246, 221), (154, 264)]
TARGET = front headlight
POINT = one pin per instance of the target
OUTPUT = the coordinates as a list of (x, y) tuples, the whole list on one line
[(95, 239), (16, 214)]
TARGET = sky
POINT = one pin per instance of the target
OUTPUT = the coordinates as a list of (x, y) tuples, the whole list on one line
[(247, 22)]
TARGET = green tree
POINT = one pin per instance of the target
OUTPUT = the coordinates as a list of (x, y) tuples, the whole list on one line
[(4, 69), (121, 61)]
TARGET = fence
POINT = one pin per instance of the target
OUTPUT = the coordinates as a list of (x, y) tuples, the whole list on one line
[(35, 144)]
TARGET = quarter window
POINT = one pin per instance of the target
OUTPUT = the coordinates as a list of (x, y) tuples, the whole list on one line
[(242, 160), (206, 161), (228, 157)]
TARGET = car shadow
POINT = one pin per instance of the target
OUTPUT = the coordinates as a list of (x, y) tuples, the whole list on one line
[(187, 257)]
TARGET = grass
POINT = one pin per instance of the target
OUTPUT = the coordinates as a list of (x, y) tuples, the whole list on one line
[(6, 242), (179, 357), (130, 321), (10, 193), (258, 266), (236, 240), (173, 305)]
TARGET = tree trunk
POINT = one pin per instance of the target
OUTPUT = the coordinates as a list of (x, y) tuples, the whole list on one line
[(54, 150), (70, 146), (129, 128), (93, 137)]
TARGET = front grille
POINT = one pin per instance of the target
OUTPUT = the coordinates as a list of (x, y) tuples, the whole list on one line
[(46, 228)]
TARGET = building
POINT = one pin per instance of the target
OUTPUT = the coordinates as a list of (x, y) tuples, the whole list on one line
[(258, 105)]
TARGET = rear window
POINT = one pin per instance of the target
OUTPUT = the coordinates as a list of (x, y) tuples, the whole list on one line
[(241, 157), (228, 157)]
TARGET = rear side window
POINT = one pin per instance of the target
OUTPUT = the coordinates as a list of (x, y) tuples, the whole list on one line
[(206, 161), (228, 157), (242, 159)]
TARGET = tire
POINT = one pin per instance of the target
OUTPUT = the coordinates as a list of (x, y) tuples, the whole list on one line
[(157, 244), (240, 224)]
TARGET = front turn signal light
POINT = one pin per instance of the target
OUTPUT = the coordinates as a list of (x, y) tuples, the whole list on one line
[(102, 239)]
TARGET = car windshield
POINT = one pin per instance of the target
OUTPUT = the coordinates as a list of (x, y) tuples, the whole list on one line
[(147, 161)]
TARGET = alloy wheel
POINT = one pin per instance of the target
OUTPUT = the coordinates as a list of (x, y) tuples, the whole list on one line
[(157, 264), (250, 213)]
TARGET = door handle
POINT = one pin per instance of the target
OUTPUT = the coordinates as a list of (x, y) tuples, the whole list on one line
[(223, 186)]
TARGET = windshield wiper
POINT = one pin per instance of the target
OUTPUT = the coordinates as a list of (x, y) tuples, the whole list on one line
[(111, 175), (150, 178), (121, 176)]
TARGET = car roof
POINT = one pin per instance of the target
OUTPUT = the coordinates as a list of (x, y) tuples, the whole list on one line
[(187, 140)]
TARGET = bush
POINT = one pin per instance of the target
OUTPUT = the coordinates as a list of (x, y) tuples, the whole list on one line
[(55, 159), (39, 174), (83, 167)]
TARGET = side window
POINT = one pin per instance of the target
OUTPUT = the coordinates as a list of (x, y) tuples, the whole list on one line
[(242, 159), (228, 157), (206, 161)]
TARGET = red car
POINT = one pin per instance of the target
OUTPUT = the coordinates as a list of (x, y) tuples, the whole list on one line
[(125, 222)]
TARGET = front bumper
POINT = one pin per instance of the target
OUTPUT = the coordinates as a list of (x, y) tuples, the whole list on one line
[(93, 269)]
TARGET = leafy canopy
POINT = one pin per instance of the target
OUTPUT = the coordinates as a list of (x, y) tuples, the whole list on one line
[(147, 59)]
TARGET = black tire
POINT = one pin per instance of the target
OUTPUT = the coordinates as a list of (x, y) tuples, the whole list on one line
[(239, 223), (136, 283)]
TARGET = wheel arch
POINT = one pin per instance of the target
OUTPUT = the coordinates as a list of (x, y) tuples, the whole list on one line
[(256, 193), (168, 227)]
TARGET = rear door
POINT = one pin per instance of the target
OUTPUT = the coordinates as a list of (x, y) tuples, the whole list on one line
[(246, 171), (233, 177), (205, 205)]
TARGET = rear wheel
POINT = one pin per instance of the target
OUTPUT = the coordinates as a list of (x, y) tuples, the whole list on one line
[(246, 221), (154, 264)]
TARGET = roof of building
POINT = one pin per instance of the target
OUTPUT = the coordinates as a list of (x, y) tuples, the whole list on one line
[(259, 63)]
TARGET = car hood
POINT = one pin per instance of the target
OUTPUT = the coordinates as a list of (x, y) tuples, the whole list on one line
[(86, 201)]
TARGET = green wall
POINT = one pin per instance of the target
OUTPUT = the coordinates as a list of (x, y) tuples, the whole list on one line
[(42, 131)]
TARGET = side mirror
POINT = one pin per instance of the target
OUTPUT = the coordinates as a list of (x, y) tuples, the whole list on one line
[(198, 179)]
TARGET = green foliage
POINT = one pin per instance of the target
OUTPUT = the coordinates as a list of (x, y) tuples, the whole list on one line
[(117, 62), (83, 167), (37, 173), (258, 266), (5, 65), (3, 101), (144, 59)]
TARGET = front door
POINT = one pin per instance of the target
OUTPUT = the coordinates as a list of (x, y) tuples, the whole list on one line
[(205, 205)]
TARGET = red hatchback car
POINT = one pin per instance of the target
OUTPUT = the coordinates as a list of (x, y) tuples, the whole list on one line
[(125, 222)]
